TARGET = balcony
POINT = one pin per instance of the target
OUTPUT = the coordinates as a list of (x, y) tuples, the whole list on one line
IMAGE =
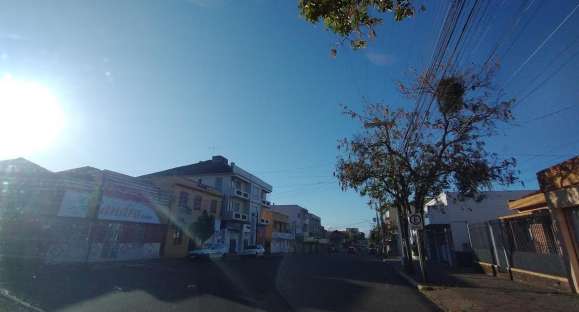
[(265, 202), (236, 216), (281, 235), (263, 221), (241, 194)]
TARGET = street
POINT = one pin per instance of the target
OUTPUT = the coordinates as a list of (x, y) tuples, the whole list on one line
[(290, 283)]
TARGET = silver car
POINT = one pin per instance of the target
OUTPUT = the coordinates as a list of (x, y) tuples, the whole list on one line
[(209, 251), (256, 251)]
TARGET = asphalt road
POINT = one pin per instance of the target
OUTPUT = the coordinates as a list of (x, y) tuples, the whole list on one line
[(290, 283)]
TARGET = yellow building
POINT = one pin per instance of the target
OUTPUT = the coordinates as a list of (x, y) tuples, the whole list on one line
[(274, 231), (189, 201)]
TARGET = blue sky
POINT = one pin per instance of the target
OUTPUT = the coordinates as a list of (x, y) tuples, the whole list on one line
[(149, 85)]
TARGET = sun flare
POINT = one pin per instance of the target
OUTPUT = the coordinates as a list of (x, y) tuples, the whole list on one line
[(30, 117)]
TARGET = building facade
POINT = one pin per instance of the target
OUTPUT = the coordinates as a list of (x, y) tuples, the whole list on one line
[(560, 185), (447, 217), (244, 195), (279, 233), (189, 201), (298, 218), (305, 227), (314, 226), (78, 215)]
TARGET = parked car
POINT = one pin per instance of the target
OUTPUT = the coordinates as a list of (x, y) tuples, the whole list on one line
[(352, 250), (256, 251), (372, 251), (208, 251)]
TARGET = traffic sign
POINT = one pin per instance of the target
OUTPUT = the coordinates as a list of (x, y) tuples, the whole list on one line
[(415, 221)]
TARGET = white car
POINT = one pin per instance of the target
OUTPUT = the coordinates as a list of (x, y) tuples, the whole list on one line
[(209, 251), (256, 251)]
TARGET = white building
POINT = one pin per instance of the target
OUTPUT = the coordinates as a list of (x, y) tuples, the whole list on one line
[(447, 218), (314, 225), (243, 196), (298, 219)]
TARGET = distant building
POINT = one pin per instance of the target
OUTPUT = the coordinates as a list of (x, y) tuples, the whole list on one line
[(298, 219), (244, 195), (306, 228), (314, 226), (279, 232), (353, 232)]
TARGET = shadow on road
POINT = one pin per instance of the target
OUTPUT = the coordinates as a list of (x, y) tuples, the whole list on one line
[(330, 283)]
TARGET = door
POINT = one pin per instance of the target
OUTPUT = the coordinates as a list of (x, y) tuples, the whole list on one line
[(232, 245)]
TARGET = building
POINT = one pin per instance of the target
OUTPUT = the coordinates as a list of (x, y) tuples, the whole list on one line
[(190, 201), (353, 232), (447, 218), (279, 233), (314, 226), (263, 235), (297, 217), (560, 184), (392, 240), (78, 215), (305, 227), (244, 195)]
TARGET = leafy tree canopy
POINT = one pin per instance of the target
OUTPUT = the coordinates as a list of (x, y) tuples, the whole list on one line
[(403, 157), (203, 228), (354, 17)]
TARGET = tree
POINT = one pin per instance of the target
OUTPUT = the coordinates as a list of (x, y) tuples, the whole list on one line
[(402, 157), (374, 237), (354, 19), (203, 228)]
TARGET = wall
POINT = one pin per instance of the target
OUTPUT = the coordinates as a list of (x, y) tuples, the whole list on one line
[(182, 214), (448, 209), (297, 216)]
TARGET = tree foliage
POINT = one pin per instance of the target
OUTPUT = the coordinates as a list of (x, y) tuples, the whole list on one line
[(403, 157), (355, 20), (203, 228)]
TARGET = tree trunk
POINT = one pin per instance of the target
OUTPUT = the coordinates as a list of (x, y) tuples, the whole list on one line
[(420, 240), (404, 238)]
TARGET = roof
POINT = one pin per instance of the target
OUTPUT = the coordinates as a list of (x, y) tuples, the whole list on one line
[(526, 213), (87, 173), (217, 164), (21, 166), (528, 202), (559, 176), (182, 182)]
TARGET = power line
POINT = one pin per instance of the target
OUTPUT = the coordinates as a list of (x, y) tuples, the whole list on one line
[(543, 43)]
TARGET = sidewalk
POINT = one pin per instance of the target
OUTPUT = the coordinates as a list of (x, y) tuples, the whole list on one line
[(466, 290)]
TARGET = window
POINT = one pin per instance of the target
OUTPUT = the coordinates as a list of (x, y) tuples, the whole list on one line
[(177, 236), (219, 183), (197, 202), (213, 206), (184, 202)]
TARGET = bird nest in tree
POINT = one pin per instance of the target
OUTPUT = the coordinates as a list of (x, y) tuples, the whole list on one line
[(450, 93)]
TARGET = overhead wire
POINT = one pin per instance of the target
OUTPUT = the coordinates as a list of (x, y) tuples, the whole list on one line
[(542, 44)]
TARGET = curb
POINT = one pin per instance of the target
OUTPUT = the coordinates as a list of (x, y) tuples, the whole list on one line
[(411, 281), (6, 294)]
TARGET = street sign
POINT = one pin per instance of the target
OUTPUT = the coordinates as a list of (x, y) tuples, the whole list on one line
[(415, 221)]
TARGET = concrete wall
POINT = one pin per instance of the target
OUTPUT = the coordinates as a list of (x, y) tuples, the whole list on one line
[(449, 209)]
